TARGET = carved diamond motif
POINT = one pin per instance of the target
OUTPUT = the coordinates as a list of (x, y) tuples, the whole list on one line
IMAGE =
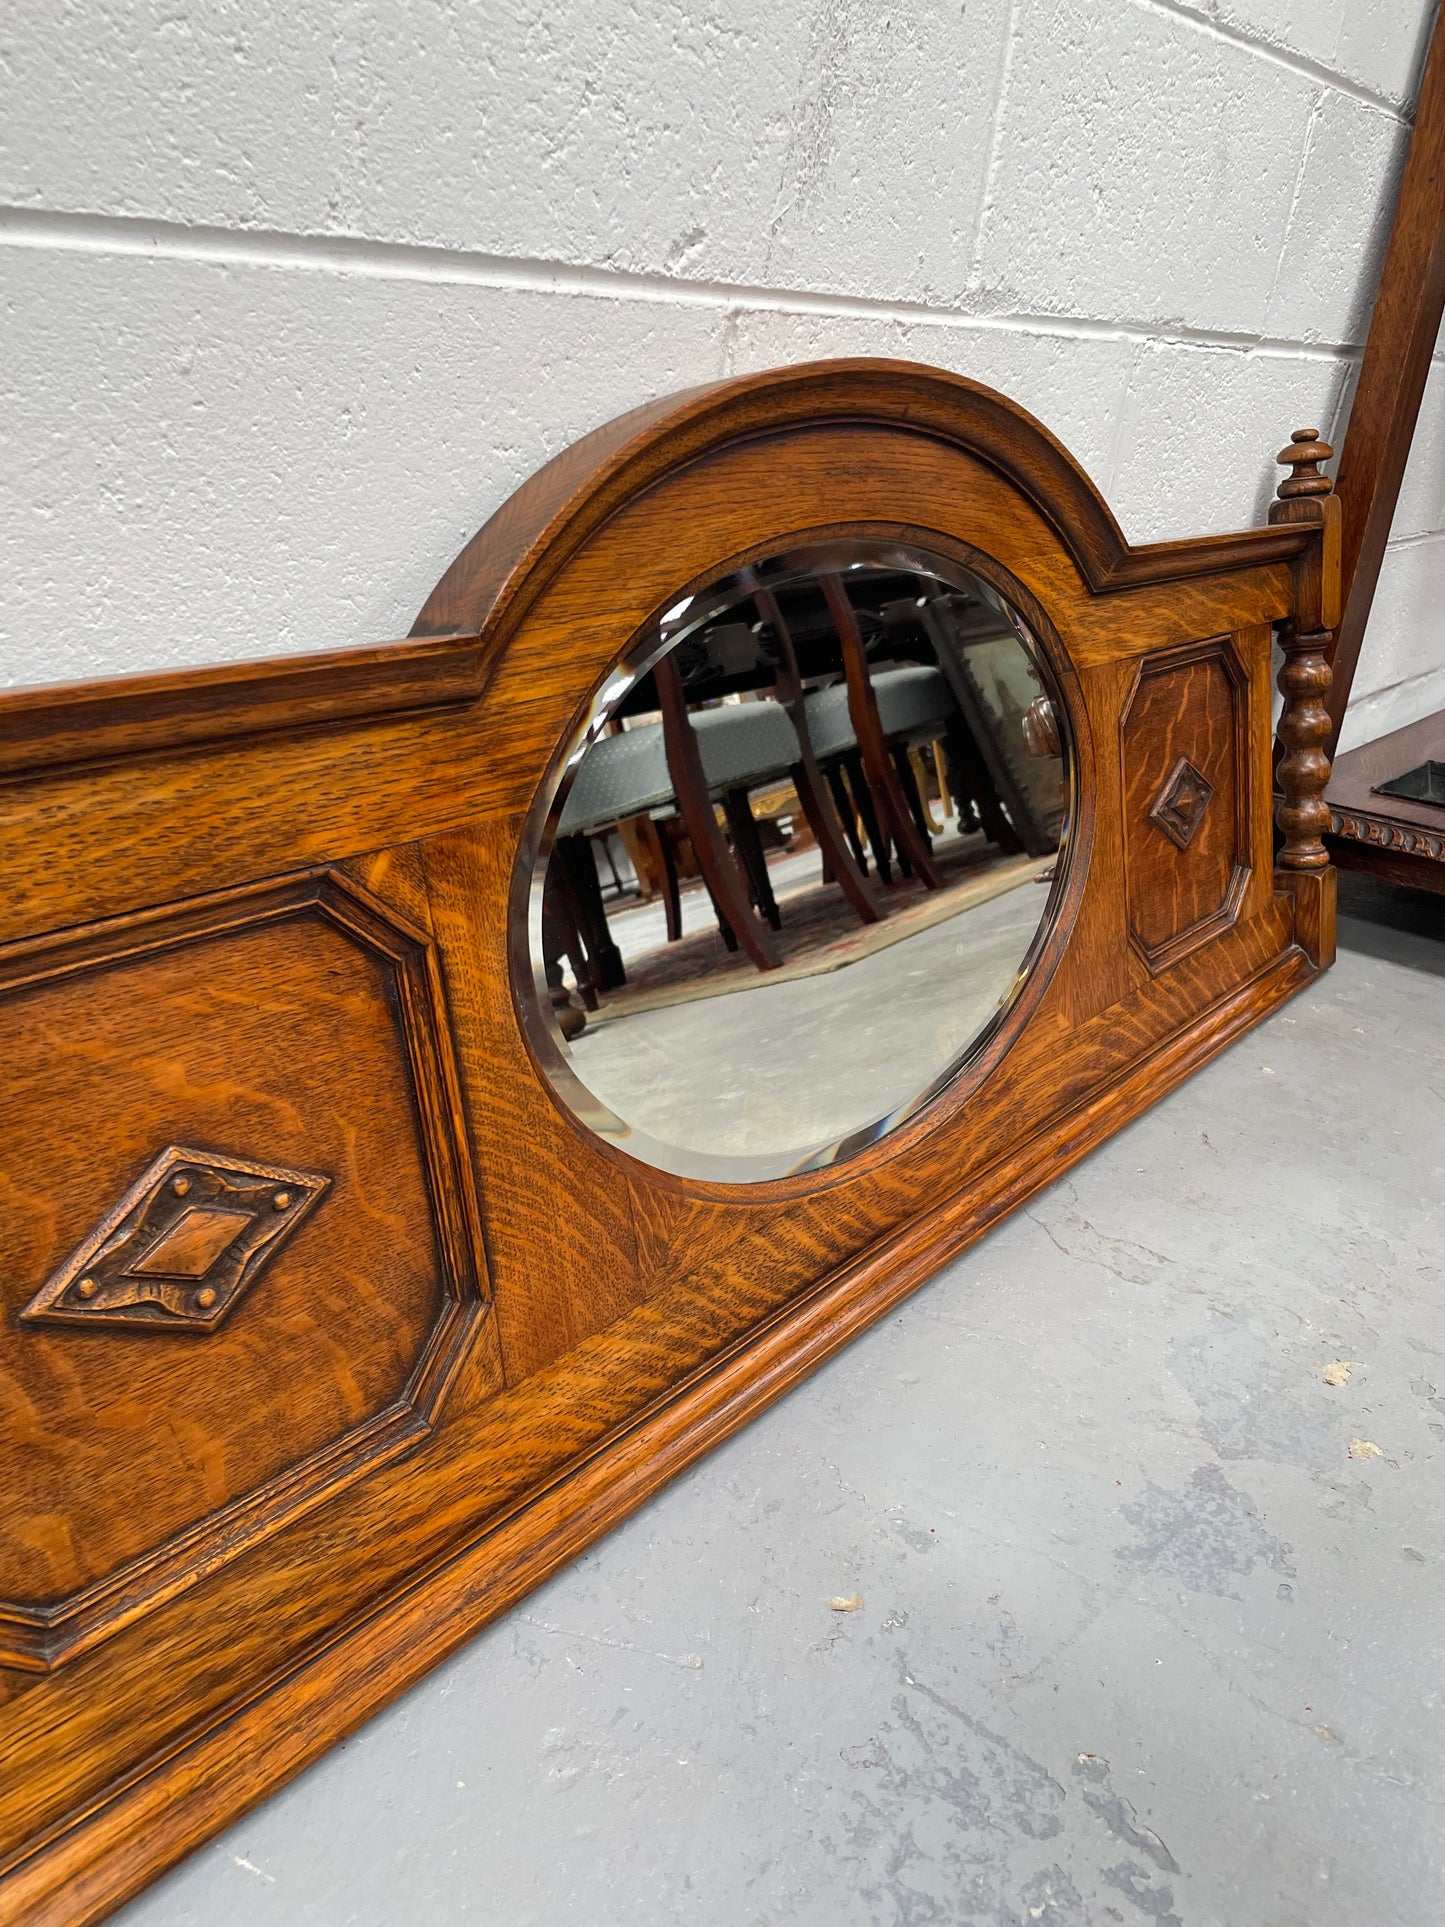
[(181, 1246), (1178, 809)]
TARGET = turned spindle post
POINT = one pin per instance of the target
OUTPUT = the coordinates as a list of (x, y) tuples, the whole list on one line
[(1304, 678)]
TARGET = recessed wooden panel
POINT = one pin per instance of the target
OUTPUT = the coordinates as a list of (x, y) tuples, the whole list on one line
[(192, 1368), (1186, 805)]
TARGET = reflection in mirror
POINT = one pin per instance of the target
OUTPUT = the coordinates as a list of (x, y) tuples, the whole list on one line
[(799, 862)]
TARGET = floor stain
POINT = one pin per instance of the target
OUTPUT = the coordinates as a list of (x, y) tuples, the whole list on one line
[(1137, 1885), (1204, 1537), (1118, 1814)]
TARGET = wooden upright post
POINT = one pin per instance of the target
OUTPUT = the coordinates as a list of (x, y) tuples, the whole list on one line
[(1304, 725), (1403, 331), (1302, 864)]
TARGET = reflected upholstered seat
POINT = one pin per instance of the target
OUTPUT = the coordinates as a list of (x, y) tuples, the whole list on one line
[(740, 744), (914, 704), (905, 708)]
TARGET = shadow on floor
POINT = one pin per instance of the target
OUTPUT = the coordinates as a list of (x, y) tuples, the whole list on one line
[(1385, 920)]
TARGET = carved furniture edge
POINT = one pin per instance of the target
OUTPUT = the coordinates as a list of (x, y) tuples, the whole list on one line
[(1381, 834), (88, 722), (512, 556)]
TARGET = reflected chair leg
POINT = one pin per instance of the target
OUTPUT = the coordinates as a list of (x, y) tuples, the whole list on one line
[(940, 776), (724, 928), (863, 799), (749, 846), (838, 864), (640, 854), (890, 794), (812, 792), (558, 909), (605, 840), (847, 815), (570, 1020), (720, 873), (609, 972), (912, 796), (661, 843), (974, 777), (553, 941), (920, 768), (966, 816)]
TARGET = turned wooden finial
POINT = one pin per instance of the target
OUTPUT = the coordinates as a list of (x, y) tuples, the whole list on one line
[(1303, 457)]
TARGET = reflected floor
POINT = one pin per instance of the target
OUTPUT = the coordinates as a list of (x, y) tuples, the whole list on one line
[(788, 1066), (819, 932)]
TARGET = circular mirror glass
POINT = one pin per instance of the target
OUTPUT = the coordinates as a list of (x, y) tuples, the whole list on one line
[(799, 861)]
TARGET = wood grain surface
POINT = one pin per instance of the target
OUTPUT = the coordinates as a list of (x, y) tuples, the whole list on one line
[(289, 935), (1184, 744)]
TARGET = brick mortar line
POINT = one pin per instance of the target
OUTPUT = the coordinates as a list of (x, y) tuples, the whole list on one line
[(138, 237), (1301, 64)]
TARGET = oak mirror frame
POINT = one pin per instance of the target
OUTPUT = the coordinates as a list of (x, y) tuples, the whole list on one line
[(264, 936), (953, 935)]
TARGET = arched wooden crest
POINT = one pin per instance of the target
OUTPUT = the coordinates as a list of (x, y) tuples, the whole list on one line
[(254, 947)]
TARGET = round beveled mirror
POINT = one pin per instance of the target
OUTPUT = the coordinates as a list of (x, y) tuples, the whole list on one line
[(798, 862)]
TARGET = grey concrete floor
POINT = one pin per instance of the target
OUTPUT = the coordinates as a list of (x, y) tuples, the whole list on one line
[(1144, 1637)]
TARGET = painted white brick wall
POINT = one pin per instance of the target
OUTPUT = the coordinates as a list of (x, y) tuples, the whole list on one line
[(293, 299)]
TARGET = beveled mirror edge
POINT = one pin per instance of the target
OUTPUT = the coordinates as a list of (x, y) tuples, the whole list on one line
[(637, 653)]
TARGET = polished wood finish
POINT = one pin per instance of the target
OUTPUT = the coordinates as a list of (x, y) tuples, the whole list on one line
[(293, 945), (91, 722), (1302, 769), (1390, 836), (326, 1002), (1404, 328), (1184, 757), (1304, 726)]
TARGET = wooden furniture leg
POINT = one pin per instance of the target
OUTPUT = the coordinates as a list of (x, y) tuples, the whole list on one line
[(640, 854), (1303, 766), (571, 1020), (721, 874), (883, 774), (807, 780), (659, 840), (912, 794), (588, 912), (920, 765), (558, 916), (1403, 331), (749, 847), (940, 776), (724, 928), (852, 764), (1302, 770), (974, 781), (847, 812), (552, 941), (1304, 729)]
